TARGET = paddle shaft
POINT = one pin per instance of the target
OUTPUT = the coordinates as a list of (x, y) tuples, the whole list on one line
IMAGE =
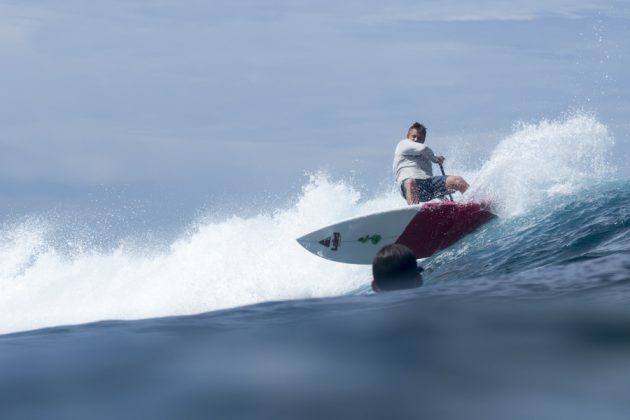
[(444, 174)]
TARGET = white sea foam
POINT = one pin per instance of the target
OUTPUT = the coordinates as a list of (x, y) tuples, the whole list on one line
[(218, 264), (230, 261), (539, 161)]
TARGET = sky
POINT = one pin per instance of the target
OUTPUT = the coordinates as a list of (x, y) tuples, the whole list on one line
[(176, 106)]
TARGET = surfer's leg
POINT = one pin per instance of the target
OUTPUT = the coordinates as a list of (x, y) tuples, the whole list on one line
[(456, 183), (436, 187), (410, 191), (424, 190)]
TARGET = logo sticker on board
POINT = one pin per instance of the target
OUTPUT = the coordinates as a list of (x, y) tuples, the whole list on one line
[(325, 242), (374, 239), (334, 240)]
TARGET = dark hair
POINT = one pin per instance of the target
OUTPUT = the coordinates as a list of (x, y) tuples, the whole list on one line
[(395, 268), (421, 128)]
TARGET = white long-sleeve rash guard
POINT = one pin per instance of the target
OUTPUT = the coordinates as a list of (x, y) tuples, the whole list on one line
[(412, 160)]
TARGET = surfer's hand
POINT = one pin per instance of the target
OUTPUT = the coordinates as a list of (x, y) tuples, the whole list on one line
[(440, 159)]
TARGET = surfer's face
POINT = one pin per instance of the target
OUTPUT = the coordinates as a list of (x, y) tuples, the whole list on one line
[(417, 135)]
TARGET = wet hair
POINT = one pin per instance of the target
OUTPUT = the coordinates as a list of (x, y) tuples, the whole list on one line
[(394, 268), (421, 128)]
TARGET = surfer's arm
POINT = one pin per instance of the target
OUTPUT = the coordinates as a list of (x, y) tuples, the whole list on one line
[(431, 156), (411, 148)]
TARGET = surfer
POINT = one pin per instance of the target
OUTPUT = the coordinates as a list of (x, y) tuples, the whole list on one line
[(414, 172), (394, 268)]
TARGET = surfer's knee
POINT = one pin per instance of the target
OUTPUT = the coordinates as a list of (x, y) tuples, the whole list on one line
[(456, 183), (395, 268)]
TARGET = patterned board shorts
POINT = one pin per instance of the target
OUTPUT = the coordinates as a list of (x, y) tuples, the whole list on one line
[(428, 189)]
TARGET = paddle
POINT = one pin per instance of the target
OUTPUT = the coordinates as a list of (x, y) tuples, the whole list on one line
[(444, 174)]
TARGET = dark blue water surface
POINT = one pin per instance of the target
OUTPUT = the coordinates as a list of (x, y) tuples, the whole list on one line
[(527, 318)]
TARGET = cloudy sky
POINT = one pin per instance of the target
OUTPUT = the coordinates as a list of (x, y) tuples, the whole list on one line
[(199, 101)]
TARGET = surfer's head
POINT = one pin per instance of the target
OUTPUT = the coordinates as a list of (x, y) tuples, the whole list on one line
[(417, 132), (395, 268)]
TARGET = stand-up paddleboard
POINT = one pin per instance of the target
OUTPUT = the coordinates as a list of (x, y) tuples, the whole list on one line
[(425, 229)]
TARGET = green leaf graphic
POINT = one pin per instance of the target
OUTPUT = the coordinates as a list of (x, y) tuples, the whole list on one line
[(370, 238)]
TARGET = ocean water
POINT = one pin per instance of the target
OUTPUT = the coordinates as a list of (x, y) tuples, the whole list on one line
[(528, 317)]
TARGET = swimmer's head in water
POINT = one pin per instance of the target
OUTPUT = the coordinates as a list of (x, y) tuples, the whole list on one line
[(395, 268)]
